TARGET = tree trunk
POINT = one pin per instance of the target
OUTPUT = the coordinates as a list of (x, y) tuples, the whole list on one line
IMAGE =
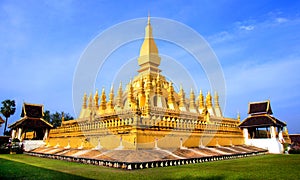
[(5, 125)]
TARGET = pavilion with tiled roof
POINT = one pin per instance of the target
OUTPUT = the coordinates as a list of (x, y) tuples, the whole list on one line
[(260, 116), (31, 120), (261, 125)]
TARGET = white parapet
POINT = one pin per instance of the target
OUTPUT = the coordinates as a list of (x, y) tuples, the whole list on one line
[(272, 145), (32, 144)]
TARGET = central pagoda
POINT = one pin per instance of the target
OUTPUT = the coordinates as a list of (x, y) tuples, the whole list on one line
[(149, 59), (148, 114)]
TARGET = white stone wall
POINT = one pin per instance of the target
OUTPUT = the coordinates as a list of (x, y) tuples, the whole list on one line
[(32, 144), (273, 145)]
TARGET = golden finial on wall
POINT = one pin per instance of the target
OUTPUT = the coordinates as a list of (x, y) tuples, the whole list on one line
[(208, 100), (84, 99), (201, 100), (103, 100), (120, 96), (96, 99), (90, 101)]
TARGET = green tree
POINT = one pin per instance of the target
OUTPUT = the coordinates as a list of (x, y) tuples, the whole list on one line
[(56, 118), (47, 115), (8, 108)]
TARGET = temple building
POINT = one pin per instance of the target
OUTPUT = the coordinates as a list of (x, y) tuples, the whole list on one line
[(148, 124), (31, 126), (263, 130), (148, 114)]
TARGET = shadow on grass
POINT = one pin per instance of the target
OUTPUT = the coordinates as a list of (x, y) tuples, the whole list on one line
[(17, 170)]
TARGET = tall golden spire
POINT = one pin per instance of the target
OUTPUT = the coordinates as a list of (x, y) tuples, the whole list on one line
[(130, 95), (90, 101), (201, 100), (171, 98), (216, 99), (149, 59), (208, 100), (103, 100), (181, 94), (120, 96), (192, 101), (110, 104), (217, 108), (96, 99), (84, 99)]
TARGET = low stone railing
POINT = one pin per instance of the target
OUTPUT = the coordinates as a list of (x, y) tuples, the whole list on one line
[(143, 165)]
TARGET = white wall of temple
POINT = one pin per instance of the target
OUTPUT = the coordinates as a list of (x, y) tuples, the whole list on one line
[(273, 145)]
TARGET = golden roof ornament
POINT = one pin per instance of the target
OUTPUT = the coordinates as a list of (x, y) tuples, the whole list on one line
[(182, 97), (111, 99), (130, 97), (192, 100), (96, 99), (158, 84), (84, 99), (208, 100), (103, 100), (90, 101), (171, 98), (201, 100), (120, 96), (216, 99)]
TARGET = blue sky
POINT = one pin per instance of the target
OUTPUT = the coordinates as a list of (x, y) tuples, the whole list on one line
[(256, 42)]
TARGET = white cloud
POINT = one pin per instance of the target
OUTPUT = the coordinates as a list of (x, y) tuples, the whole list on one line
[(247, 28), (220, 37), (281, 20)]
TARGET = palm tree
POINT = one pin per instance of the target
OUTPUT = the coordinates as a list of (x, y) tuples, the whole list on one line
[(8, 108)]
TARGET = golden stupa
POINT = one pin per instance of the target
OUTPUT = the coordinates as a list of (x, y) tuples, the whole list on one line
[(148, 114)]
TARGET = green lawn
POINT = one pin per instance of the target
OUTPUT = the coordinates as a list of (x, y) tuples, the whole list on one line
[(21, 166)]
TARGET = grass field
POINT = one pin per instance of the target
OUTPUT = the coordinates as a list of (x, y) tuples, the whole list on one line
[(21, 166)]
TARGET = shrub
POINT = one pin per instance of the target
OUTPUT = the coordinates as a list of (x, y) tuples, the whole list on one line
[(294, 151), (16, 140), (13, 147)]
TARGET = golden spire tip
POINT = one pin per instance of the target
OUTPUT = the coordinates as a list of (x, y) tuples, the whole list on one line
[(148, 17)]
